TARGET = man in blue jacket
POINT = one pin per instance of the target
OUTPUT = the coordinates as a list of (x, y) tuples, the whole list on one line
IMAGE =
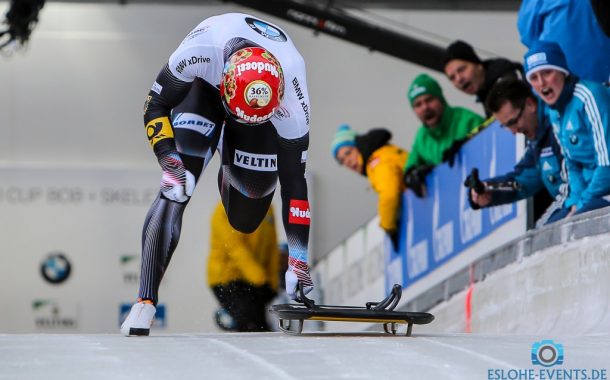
[(514, 105), (579, 112)]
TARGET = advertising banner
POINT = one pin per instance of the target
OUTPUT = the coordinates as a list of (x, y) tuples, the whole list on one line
[(442, 224), (71, 251)]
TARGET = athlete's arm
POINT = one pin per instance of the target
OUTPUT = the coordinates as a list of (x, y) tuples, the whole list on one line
[(292, 158), (292, 124), (166, 93), (177, 184)]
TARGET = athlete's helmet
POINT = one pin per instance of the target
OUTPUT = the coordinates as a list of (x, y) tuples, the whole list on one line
[(252, 85)]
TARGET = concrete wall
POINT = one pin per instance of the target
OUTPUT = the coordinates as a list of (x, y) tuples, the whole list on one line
[(550, 281)]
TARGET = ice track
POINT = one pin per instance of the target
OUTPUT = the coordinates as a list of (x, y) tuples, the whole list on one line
[(325, 355)]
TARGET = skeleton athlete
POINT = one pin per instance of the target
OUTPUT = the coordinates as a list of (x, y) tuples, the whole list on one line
[(236, 83)]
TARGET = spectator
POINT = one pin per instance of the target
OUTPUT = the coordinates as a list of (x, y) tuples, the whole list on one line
[(471, 75), (514, 105), (579, 111), (442, 127), (243, 270), (577, 26), (374, 157)]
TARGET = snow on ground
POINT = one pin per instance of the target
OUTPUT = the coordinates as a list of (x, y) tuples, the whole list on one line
[(363, 355)]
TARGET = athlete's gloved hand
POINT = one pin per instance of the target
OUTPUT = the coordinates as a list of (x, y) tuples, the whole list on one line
[(298, 271), (177, 183)]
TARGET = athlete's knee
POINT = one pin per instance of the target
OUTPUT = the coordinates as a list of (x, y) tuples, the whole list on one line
[(245, 214)]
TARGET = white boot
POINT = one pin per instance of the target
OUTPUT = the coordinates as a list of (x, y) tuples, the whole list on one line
[(139, 320)]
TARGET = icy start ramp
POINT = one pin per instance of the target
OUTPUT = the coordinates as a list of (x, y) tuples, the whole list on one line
[(312, 356)]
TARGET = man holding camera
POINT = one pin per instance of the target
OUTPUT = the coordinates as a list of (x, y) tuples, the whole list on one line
[(514, 105)]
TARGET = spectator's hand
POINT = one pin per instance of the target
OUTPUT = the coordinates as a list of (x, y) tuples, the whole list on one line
[(479, 200), (478, 196), (394, 238), (415, 179), (177, 183), (572, 211), (298, 271), (450, 153)]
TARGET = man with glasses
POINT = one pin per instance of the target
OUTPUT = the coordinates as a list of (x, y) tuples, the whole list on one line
[(514, 105)]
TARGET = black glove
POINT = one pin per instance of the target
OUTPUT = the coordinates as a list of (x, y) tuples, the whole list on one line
[(450, 153), (393, 235), (473, 182), (415, 179)]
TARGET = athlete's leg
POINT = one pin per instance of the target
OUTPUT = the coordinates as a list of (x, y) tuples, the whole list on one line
[(248, 175), (197, 123)]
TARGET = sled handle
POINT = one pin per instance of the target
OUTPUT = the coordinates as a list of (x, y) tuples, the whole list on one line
[(388, 303), (309, 303)]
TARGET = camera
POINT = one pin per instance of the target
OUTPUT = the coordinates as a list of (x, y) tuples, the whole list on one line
[(547, 353)]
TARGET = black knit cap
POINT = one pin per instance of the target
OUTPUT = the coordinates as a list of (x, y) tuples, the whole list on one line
[(460, 50)]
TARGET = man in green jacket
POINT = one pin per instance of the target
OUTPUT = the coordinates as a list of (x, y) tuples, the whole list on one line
[(442, 126)]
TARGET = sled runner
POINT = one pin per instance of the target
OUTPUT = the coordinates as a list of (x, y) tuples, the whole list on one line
[(375, 312)]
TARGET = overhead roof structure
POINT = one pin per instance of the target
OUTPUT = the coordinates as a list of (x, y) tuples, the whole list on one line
[(496, 5)]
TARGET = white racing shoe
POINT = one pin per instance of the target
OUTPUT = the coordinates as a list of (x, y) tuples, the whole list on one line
[(139, 320)]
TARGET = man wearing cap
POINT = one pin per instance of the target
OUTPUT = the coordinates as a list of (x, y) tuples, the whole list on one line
[(579, 111), (442, 125), (474, 76), (372, 156), (515, 106)]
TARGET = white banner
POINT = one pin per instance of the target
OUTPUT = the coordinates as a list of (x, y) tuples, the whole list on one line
[(71, 251)]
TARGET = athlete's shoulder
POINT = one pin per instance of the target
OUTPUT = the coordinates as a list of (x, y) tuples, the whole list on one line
[(243, 24)]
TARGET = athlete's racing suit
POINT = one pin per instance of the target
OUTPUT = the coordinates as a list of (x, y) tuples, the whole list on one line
[(185, 122)]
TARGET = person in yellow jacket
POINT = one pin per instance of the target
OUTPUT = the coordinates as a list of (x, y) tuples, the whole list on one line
[(243, 271), (372, 156)]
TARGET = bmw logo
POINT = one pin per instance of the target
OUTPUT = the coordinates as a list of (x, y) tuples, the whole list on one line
[(55, 268), (266, 30)]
